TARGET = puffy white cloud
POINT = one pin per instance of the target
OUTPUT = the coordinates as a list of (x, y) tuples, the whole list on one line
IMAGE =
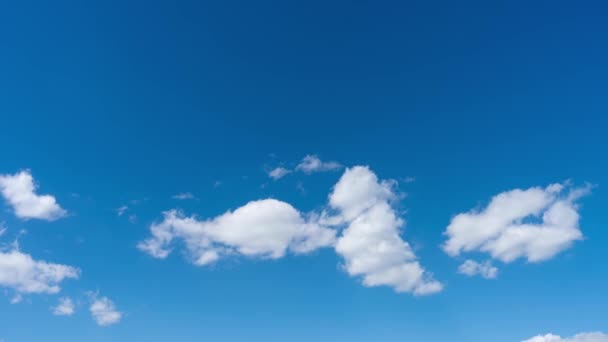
[(535, 224), (22, 273), (584, 337), (265, 228), (19, 190), (473, 268), (312, 163), (104, 311), (371, 244), (360, 204), (183, 196), (278, 173), (65, 307)]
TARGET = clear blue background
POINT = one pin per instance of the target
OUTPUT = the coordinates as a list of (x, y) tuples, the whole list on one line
[(113, 101)]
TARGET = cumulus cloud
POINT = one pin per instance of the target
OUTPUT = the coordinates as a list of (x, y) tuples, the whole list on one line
[(535, 224), (278, 173), (312, 163), (265, 228), (104, 311), (473, 268), (360, 205), (371, 243), (65, 307), (19, 190), (20, 272), (584, 337)]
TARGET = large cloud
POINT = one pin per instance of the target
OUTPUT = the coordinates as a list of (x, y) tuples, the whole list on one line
[(535, 224), (371, 244), (584, 337), (265, 228), (19, 190), (359, 204), (23, 274)]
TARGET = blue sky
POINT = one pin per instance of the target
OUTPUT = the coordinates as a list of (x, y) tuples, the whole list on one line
[(413, 115)]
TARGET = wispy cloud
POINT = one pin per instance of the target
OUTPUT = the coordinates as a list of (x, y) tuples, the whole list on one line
[(122, 210), (183, 196), (312, 163), (278, 173)]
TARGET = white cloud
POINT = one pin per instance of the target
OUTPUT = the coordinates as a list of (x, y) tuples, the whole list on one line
[(584, 337), (312, 163), (22, 273), (535, 224), (265, 228), (473, 268), (104, 311), (371, 244), (17, 299), (65, 307), (183, 196), (278, 173), (19, 190), (121, 210)]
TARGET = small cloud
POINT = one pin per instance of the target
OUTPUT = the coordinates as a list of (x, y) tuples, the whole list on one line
[(65, 307), (312, 163), (133, 218), (473, 268), (24, 274), (121, 210), (409, 179), (278, 173), (300, 188), (217, 184), (183, 196), (104, 311), (19, 190), (17, 299), (583, 337)]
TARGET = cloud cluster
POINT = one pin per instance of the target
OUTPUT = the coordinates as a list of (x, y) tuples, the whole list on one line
[(266, 228), (20, 272), (535, 224), (19, 190), (584, 337), (371, 244), (360, 204), (104, 311)]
